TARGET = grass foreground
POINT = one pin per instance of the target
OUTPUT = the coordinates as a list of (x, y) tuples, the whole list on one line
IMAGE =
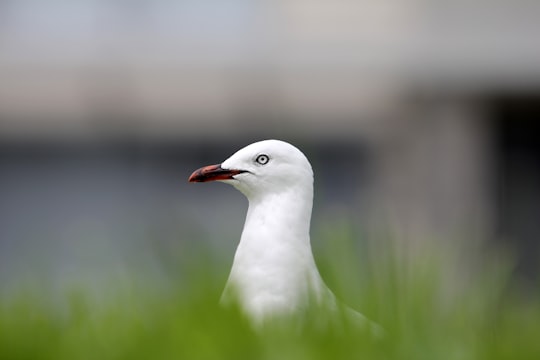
[(442, 303)]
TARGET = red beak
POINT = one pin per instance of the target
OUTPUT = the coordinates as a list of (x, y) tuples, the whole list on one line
[(213, 173)]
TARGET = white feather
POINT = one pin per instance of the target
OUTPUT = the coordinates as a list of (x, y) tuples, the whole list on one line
[(274, 272)]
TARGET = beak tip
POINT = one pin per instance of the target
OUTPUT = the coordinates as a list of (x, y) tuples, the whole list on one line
[(195, 177), (206, 173), (213, 173)]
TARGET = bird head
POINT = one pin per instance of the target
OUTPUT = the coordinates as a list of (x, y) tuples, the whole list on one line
[(264, 167)]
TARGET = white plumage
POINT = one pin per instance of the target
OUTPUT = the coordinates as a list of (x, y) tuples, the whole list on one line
[(274, 272)]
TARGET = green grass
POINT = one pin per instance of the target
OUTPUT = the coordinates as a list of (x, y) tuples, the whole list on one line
[(445, 301)]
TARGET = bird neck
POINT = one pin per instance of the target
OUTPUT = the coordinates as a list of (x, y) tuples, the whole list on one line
[(283, 218), (274, 270)]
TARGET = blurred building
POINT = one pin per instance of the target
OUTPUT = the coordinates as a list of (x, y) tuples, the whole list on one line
[(422, 116)]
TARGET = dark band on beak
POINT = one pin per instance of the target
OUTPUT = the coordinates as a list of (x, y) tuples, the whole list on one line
[(213, 173)]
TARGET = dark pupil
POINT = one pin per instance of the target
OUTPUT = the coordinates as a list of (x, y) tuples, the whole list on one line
[(262, 159)]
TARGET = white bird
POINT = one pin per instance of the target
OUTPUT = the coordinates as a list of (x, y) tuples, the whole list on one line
[(274, 272)]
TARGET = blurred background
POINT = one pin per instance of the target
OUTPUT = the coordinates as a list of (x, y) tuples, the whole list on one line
[(421, 119)]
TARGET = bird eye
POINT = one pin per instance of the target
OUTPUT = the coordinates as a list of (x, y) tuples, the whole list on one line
[(262, 159)]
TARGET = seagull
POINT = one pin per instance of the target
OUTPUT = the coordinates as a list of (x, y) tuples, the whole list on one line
[(274, 273)]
